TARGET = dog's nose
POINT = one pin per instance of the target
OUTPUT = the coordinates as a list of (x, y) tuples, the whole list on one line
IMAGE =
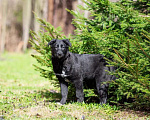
[(59, 54)]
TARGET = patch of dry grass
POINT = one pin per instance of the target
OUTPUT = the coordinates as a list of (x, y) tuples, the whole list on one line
[(74, 111)]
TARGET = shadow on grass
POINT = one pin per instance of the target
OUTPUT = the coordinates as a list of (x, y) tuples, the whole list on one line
[(54, 96), (50, 95)]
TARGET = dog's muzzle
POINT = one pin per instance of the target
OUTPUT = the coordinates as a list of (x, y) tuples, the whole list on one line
[(59, 55)]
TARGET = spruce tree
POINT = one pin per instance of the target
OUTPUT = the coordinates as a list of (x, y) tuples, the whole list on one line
[(114, 30)]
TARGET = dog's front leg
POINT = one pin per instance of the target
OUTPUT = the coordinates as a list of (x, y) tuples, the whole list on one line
[(79, 90), (64, 91)]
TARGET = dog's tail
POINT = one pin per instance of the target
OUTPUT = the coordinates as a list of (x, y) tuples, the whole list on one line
[(112, 69)]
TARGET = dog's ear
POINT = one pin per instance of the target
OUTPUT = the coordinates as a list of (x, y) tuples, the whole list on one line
[(67, 42), (52, 42)]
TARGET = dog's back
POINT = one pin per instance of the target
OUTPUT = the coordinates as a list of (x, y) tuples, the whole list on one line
[(89, 66)]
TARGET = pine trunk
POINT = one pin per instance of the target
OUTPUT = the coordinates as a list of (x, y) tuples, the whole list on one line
[(50, 11), (26, 22), (3, 33), (37, 9)]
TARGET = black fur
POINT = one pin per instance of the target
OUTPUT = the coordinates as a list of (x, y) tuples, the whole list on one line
[(78, 68)]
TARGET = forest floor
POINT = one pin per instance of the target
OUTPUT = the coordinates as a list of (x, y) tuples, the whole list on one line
[(24, 94)]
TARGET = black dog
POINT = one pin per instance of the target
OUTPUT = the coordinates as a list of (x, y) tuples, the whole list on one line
[(79, 68)]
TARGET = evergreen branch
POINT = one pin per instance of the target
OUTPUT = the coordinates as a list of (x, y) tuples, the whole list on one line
[(41, 60), (142, 48), (137, 70), (48, 27), (124, 62), (128, 51), (148, 37), (139, 45)]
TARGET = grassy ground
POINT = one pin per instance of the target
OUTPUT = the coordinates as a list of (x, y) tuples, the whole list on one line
[(26, 95)]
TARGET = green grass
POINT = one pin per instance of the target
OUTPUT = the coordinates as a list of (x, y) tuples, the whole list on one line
[(26, 95)]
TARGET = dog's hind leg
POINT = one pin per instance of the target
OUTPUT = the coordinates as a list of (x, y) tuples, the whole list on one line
[(79, 90), (102, 90), (103, 93)]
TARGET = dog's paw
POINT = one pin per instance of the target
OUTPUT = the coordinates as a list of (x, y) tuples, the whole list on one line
[(58, 103)]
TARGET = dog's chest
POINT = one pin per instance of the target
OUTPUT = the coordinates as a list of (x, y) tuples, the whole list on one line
[(57, 66), (62, 69)]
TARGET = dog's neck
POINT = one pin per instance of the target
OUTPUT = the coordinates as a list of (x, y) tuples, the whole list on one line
[(66, 56), (59, 64)]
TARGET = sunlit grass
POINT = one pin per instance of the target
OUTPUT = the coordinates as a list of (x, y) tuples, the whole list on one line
[(26, 95)]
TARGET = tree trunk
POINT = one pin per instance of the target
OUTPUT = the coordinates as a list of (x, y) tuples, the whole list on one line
[(45, 9), (61, 17), (50, 11), (3, 32), (37, 9), (26, 22)]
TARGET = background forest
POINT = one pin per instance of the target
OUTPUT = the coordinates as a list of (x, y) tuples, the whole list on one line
[(17, 18)]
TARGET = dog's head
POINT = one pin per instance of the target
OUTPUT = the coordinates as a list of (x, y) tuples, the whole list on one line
[(59, 47)]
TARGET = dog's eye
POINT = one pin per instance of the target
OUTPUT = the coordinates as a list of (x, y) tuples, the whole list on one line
[(62, 46), (57, 46)]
